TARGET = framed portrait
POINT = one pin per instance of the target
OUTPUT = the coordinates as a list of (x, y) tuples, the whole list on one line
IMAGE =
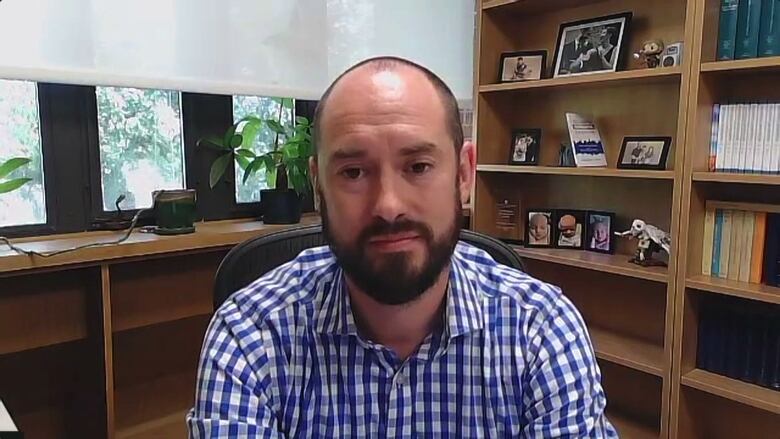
[(539, 230), (569, 229), (599, 235), (524, 149), (526, 65), (508, 221), (644, 152), (591, 46)]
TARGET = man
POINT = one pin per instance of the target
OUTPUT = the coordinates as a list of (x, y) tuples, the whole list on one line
[(571, 53), (396, 329)]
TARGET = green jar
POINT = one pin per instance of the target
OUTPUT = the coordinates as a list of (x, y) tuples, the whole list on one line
[(175, 211)]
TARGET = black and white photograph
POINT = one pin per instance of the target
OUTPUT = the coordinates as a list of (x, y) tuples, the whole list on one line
[(644, 153), (539, 230), (524, 149), (591, 46), (522, 66), (569, 229), (599, 237)]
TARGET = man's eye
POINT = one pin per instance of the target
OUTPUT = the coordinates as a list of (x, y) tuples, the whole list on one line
[(352, 173), (420, 168)]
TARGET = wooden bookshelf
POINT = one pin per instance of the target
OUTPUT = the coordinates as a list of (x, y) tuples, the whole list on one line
[(703, 404), (629, 428), (632, 101), (615, 264), (589, 172), (740, 391)]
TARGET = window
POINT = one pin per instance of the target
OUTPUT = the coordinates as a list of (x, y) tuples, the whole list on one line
[(264, 108), (141, 148), (20, 136)]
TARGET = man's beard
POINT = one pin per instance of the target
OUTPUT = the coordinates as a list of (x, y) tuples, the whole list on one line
[(390, 278)]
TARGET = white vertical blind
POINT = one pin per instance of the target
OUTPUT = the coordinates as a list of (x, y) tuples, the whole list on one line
[(257, 47)]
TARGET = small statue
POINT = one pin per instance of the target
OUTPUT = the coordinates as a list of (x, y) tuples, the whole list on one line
[(651, 239), (651, 51), (566, 156)]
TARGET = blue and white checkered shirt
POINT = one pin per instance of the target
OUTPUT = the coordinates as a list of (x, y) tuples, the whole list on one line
[(283, 358)]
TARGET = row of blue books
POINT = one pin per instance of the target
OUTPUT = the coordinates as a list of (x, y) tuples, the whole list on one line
[(740, 339), (748, 29)]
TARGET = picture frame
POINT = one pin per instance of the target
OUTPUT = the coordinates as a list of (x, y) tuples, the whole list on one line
[(644, 152), (524, 149), (593, 45), (599, 237), (539, 230), (524, 65), (509, 220), (570, 229)]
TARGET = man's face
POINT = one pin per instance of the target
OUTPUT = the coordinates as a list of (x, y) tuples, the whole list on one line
[(390, 183)]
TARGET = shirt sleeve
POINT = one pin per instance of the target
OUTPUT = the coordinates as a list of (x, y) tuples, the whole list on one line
[(565, 397), (230, 397)]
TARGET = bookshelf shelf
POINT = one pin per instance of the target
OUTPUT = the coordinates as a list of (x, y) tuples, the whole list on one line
[(590, 172), (531, 6), (734, 205), (743, 65), (669, 74), (745, 393), (614, 264), (627, 351), (763, 293), (629, 428), (726, 177), (171, 425)]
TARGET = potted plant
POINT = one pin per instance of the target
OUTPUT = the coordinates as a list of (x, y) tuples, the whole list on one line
[(6, 168), (286, 166)]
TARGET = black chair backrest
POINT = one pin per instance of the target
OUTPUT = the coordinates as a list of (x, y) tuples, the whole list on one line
[(251, 259)]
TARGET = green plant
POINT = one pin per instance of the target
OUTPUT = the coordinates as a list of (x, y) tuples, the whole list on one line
[(6, 168), (286, 164)]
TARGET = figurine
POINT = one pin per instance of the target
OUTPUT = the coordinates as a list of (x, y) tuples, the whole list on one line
[(651, 239), (651, 51), (566, 156)]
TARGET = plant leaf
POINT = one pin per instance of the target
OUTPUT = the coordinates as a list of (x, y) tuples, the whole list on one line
[(228, 136), (275, 126), (218, 169), (302, 121), (212, 142), (243, 162), (245, 153), (236, 141), (12, 185), (248, 127), (254, 166), (290, 150), (287, 103), (12, 164)]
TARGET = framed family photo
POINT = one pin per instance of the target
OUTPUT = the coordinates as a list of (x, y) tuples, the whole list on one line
[(570, 229), (599, 236), (524, 149), (591, 46), (526, 65), (539, 228), (644, 152)]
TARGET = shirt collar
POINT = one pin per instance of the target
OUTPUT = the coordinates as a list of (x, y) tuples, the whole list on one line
[(464, 312)]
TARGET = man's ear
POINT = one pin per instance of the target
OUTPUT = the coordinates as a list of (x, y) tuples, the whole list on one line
[(467, 170)]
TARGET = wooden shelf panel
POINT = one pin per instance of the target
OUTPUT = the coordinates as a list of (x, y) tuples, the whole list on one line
[(590, 172), (531, 6), (170, 425), (763, 293), (745, 393), (752, 207), (629, 428), (743, 65), (668, 74), (728, 177), (615, 264), (627, 351)]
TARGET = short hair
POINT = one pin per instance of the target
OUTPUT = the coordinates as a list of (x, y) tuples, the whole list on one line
[(388, 63)]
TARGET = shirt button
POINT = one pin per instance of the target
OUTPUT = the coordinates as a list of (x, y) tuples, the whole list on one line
[(401, 379)]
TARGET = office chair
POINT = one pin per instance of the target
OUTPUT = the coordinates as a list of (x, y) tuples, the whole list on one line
[(254, 257)]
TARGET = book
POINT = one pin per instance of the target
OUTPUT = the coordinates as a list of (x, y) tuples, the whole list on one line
[(723, 126), (727, 29), (756, 259), (775, 138), (717, 239), (769, 30), (586, 141), (771, 249), (709, 235), (737, 219), (746, 249), (748, 24), (711, 165), (725, 245)]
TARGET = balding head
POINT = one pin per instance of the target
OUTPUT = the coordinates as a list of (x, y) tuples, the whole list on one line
[(369, 73)]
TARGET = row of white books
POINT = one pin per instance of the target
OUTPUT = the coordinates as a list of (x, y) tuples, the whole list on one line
[(745, 138)]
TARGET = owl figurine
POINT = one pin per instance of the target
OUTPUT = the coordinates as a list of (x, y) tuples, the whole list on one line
[(650, 240)]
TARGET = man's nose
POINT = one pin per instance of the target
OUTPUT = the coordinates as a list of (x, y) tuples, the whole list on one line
[(389, 204)]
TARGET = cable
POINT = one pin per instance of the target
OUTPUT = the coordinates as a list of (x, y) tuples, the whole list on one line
[(20, 250)]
